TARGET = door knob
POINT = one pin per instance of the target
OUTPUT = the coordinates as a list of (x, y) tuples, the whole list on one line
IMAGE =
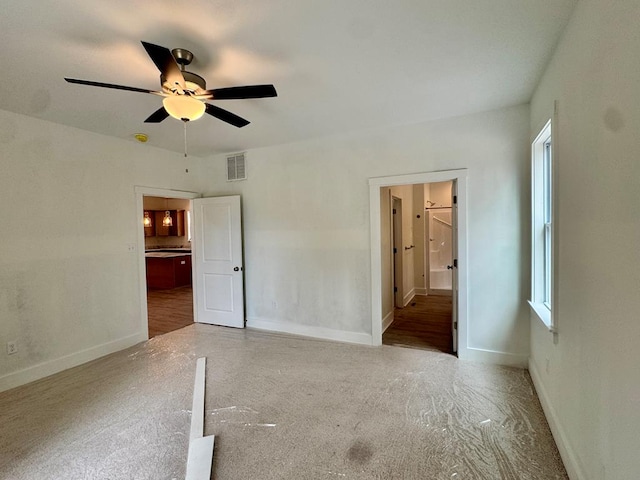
[(449, 267), (235, 269)]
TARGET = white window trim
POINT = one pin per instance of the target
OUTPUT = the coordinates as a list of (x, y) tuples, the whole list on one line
[(542, 309)]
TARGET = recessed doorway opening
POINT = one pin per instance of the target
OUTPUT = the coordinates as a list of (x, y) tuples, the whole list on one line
[(167, 238), (164, 245), (411, 278), (422, 257)]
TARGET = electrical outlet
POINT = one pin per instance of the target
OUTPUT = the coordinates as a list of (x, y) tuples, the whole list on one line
[(131, 247), (12, 347)]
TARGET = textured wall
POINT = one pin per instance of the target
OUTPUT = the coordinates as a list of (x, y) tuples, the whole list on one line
[(68, 284), (306, 222), (589, 374)]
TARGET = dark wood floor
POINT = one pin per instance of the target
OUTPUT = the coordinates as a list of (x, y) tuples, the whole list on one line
[(425, 323), (169, 310)]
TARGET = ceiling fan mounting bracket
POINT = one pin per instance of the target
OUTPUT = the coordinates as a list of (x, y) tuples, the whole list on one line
[(183, 57)]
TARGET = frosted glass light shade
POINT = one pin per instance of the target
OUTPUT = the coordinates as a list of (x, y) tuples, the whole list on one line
[(147, 220), (183, 107), (167, 221)]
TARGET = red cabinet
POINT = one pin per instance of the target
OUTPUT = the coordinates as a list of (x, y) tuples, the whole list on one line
[(169, 271)]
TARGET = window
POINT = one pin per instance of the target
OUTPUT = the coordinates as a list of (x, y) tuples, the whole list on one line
[(542, 226)]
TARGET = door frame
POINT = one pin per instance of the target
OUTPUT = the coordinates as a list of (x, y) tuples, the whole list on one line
[(140, 192), (375, 186)]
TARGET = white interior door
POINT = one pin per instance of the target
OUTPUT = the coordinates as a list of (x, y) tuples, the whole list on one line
[(217, 261), (398, 252), (454, 270)]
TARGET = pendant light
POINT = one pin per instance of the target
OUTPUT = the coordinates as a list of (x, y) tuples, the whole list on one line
[(146, 221), (167, 221)]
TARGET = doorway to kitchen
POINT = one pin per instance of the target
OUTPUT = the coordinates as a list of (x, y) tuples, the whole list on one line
[(165, 253), (167, 250)]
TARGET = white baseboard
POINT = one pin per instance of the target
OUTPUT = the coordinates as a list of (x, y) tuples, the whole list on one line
[(387, 321), (408, 297), (421, 291), (41, 370), (309, 331), (494, 357), (569, 458)]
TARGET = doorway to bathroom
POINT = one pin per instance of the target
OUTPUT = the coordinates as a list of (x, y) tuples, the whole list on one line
[(422, 255), (418, 260)]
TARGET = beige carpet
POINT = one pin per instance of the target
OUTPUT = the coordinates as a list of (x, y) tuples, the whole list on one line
[(281, 408)]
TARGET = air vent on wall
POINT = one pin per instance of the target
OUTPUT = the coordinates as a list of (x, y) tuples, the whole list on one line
[(236, 167)]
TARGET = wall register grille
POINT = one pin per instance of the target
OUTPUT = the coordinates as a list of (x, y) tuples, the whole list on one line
[(236, 167)]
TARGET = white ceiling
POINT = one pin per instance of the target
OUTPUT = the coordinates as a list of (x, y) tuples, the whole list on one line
[(338, 65)]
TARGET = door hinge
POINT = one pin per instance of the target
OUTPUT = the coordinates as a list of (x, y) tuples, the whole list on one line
[(395, 250), (455, 199), (455, 325), (395, 289), (394, 211), (455, 263)]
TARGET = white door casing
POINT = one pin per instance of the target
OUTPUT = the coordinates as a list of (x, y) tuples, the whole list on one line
[(217, 261)]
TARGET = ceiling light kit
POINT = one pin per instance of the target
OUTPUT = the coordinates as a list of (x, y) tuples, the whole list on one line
[(185, 93)]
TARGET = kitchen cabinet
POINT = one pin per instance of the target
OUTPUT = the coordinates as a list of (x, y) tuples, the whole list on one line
[(176, 230), (166, 271)]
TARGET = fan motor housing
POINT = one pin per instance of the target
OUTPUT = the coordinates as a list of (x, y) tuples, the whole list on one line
[(189, 77)]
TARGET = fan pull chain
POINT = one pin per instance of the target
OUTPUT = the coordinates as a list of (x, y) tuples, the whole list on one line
[(185, 139)]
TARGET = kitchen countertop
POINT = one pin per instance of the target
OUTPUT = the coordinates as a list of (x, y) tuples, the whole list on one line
[(166, 254)]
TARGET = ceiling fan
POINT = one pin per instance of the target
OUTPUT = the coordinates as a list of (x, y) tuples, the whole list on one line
[(185, 93)]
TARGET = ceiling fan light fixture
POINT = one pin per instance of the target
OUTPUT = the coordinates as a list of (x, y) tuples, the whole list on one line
[(184, 107)]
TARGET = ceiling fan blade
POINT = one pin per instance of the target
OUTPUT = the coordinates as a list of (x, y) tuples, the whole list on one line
[(249, 91), (226, 116), (157, 116), (165, 62), (111, 85)]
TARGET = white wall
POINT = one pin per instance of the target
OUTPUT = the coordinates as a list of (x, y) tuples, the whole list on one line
[(306, 224), (68, 284), (588, 379), (419, 239), (440, 194)]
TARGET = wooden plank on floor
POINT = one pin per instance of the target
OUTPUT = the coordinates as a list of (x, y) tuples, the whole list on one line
[(197, 408), (200, 456)]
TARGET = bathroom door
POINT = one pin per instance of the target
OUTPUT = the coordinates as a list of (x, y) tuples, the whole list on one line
[(454, 264), (217, 261)]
